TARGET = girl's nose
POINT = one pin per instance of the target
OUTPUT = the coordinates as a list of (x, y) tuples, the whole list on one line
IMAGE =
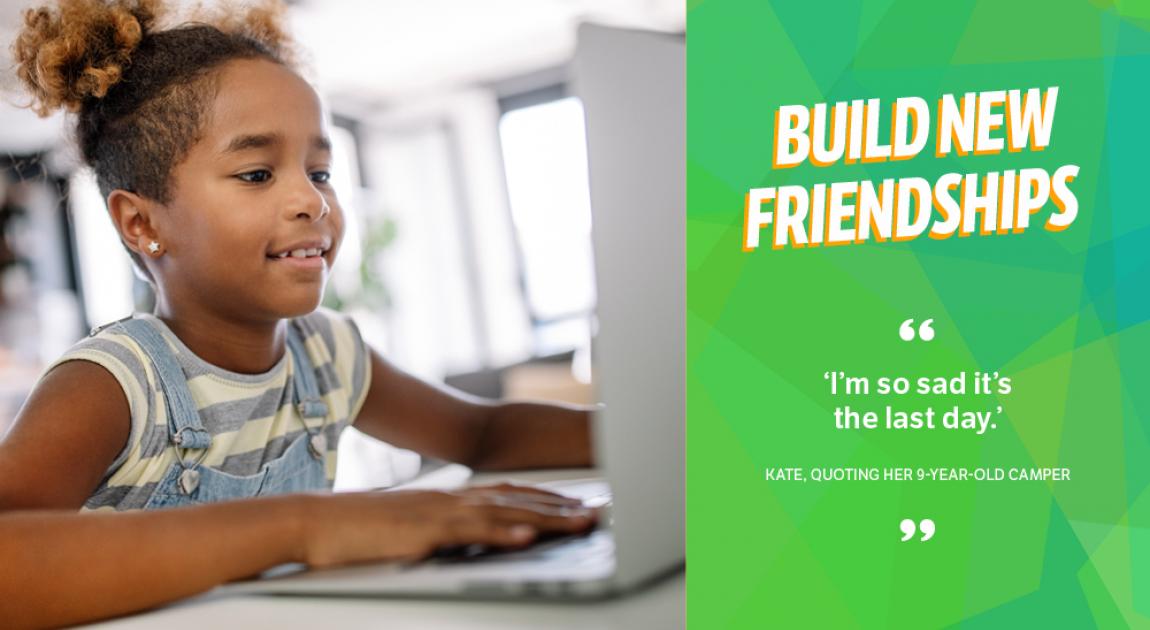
[(313, 213), (308, 203)]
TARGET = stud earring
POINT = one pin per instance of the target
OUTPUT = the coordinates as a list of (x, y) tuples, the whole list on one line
[(153, 247)]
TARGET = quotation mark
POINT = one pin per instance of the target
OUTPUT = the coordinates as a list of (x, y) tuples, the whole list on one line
[(926, 526), (925, 332)]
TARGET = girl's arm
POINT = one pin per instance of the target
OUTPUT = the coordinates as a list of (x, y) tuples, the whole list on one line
[(62, 568), (69, 430), (435, 420)]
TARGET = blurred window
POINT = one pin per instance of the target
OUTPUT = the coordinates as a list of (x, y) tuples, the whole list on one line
[(105, 270), (545, 161)]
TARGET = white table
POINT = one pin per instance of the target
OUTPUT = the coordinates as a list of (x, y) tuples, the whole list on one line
[(658, 606)]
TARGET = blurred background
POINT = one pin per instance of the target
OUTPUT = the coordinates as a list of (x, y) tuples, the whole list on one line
[(460, 161)]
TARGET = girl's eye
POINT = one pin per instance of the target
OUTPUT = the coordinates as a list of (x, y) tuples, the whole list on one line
[(255, 177), (321, 177)]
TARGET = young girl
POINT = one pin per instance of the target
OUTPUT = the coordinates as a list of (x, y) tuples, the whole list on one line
[(213, 156)]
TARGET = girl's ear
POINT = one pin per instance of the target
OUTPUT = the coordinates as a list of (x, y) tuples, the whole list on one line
[(134, 218)]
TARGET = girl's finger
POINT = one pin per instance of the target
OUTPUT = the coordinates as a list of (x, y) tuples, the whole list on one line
[(526, 502), (546, 519)]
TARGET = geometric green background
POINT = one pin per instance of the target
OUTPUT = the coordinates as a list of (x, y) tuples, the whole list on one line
[(1065, 314)]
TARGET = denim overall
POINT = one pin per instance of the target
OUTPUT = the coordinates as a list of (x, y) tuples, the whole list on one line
[(301, 468)]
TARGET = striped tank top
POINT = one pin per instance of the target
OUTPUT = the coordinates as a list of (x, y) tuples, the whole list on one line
[(250, 416)]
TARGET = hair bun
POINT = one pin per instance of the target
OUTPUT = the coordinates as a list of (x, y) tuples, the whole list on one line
[(79, 49)]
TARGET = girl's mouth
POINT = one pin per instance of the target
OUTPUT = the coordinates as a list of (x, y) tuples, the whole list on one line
[(312, 258), (313, 252)]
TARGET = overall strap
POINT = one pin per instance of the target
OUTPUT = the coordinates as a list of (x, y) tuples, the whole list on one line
[(184, 426), (305, 391)]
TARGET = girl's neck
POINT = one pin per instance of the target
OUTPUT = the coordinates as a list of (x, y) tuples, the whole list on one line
[(243, 347)]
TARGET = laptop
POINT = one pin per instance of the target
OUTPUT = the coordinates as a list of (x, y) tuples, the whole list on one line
[(632, 84)]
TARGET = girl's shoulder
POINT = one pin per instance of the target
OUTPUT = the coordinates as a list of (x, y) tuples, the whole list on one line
[(119, 353), (79, 380), (114, 348)]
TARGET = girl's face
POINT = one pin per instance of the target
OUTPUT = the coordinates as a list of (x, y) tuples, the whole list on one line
[(255, 185)]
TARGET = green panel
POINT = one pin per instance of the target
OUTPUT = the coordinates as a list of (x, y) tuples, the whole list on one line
[(1064, 314)]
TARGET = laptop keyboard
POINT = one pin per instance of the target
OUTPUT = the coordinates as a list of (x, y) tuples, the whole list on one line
[(573, 550)]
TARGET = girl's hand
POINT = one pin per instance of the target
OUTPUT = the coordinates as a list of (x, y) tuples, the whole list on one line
[(406, 526)]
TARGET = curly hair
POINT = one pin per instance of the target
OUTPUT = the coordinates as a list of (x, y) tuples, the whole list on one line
[(140, 94)]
